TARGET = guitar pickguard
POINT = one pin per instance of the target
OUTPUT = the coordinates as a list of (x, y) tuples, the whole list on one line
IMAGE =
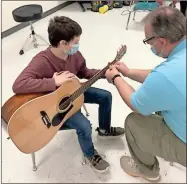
[(57, 119)]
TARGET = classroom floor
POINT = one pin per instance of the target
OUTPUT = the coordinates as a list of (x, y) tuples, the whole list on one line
[(61, 160)]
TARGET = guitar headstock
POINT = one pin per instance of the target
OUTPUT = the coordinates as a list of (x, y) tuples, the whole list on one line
[(121, 52)]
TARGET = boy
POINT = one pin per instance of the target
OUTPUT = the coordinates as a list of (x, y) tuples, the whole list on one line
[(41, 75)]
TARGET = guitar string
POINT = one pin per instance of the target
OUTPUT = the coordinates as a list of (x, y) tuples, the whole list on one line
[(82, 88), (91, 81)]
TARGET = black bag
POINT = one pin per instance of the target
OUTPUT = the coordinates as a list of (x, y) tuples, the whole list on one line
[(126, 3)]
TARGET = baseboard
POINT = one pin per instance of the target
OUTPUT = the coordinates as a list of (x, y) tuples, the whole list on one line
[(20, 26)]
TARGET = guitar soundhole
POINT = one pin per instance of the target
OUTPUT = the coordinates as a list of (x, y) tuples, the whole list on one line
[(64, 103)]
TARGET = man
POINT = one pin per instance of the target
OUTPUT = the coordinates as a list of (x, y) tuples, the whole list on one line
[(163, 90), (42, 75)]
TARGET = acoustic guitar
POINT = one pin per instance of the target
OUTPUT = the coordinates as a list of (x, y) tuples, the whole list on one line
[(34, 119)]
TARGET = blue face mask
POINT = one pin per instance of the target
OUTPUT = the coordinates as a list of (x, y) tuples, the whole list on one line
[(74, 49), (154, 51)]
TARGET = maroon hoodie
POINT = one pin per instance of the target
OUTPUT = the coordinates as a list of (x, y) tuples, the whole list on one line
[(38, 75)]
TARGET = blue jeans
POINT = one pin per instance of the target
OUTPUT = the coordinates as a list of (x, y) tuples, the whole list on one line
[(82, 125)]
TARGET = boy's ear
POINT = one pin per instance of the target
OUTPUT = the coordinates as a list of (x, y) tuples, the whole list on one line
[(63, 42)]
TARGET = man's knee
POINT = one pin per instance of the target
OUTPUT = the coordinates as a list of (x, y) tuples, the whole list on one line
[(84, 128), (133, 131), (131, 121)]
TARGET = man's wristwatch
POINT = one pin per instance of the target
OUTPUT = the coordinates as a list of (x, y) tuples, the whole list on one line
[(114, 77)]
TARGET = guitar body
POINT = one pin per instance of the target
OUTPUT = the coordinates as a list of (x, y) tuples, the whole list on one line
[(35, 119)]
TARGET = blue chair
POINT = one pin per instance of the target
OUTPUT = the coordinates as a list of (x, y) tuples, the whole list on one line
[(140, 6)]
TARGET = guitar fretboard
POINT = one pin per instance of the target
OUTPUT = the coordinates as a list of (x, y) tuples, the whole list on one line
[(83, 88)]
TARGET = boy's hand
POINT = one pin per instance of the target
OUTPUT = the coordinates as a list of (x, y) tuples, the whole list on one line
[(63, 77)]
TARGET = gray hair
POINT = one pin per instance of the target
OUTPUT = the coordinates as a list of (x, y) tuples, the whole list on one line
[(168, 23)]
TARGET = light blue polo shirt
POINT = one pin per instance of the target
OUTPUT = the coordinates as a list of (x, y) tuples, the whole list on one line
[(165, 90)]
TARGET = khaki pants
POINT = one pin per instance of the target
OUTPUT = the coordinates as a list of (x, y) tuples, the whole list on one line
[(148, 137)]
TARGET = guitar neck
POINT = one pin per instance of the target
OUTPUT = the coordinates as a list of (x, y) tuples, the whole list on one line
[(99, 75), (84, 87)]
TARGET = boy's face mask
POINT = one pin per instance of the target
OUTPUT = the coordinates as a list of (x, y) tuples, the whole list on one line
[(73, 50)]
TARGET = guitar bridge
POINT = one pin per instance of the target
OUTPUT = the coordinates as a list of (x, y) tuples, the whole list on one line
[(45, 119)]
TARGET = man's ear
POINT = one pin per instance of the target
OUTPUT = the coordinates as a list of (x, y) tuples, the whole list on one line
[(163, 41)]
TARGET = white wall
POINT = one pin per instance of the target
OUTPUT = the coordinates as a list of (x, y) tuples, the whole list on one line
[(9, 6)]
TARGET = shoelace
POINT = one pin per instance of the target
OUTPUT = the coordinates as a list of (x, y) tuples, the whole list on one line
[(111, 131), (97, 158)]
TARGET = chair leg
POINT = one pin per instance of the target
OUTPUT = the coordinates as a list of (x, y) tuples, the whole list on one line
[(32, 41), (24, 45), (33, 162), (42, 39), (83, 160), (134, 15), (35, 37), (128, 20), (87, 114), (82, 6)]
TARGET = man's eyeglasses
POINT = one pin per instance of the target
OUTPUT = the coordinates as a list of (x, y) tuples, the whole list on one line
[(148, 39)]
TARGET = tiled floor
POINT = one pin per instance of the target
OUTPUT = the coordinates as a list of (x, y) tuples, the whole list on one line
[(60, 160)]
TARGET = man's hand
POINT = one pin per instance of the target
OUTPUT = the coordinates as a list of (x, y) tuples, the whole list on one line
[(63, 77), (110, 73), (122, 68)]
